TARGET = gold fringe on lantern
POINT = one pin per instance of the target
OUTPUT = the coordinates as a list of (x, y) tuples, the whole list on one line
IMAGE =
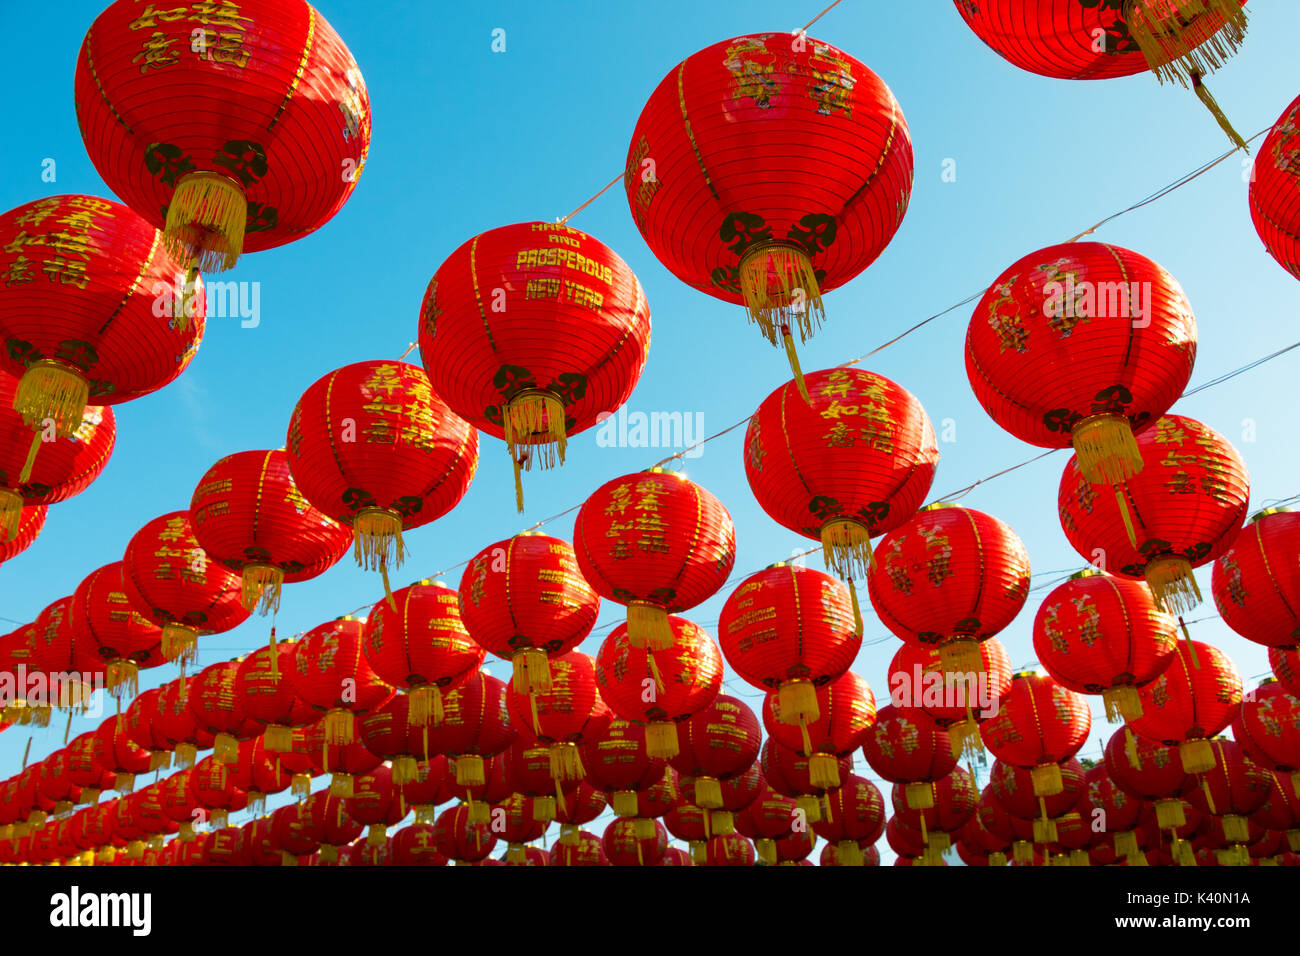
[(792, 356), (661, 739), (256, 803), (1080, 858), (1123, 703), (277, 738), (625, 803), (1126, 843), (377, 543), (1047, 780), (377, 835), (225, 748), (723, 822), (470, 771), (846, 547), (300, 785), (1235, 829), (569, 834), (708, 793), (288, 859), (1171, 54), (699, 852), (648, 626), (997, 859), (1170, 814), (425, 706), (1197, 756), (516, 854), (339, 726), (961, 656), (405, 769), (1022, 851), (1210, 103), (1182, 852), (124, 782), (643, 829), (1233, 856), (329, 853), (1293, 840), (1045, 829), (544, 809), (532, 671), (919, 796), (811, 807), (796, 702), (964, 736), (533, 421), (848, 853), (1105, 449), (89, 795), (765, 850), (52, 391), (218, 819), (1172, 584), (185, 755), (159, 760), (426, 813), (480, 813), (259, 588), (25, 473), (205, 221), (823, 771), (565, 763), (122, 678), (342, 785), (779, 286), (180, 643), (11, 513)]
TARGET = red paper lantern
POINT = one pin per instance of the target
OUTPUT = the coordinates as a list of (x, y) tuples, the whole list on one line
[(1267, 727), (515, 823), (1194, 699), (1178, 40), (660, 688), (273, 166), (375, 804), (856, 817), (169, 579), (1013, 789), (84, 769), (1149, 771), (617, 763), (569, 714), (330, 824), (259, 773), (105, 624), (718, 744), (415, 845), (1039, 724), (248, 515), (905, 746), (587, 849), (118, 754), (1274, 193), (957, 701), (1081, 345), (265, 693), (1187, 505), (68, 463), (846, 710), (145, 727), (524, 600), (526, 769), (477, 723), (1101, 634), (419, 644), (1285, 664), (728, 849), (532, 332), (950, 577), (175, 723), (632, 842), (1256, 585), (71, 672), (1232, 789), (953, 801), (371, 446), (789, 773), (31, 519), (215, 706), (658, 543), (331, 674), (1120, 810), (791, 630), (853, 461), (732, 211), (460, 838)]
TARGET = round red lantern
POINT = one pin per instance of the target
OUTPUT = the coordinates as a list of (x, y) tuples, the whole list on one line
[(275, 165), (1285, 664), (1187, 505), (1194, 699), (371, 446), (105, 624), (1149, 771), (1274, 192), (660, 687), (1232, 789), (718, 744), (331, 674), (855, 817), (13, 542), (72, 673), (531, 332), (1039, 724), (950, 577), (169, 579), (415, 846), (569, 714), (460, 838), (1267, 727), (1256, 585), (586, 849), (617, 763), (418, 643), (790, 629), (524, 600), (658, 543), (634, 842), (248, 516), (477, 723), (1101, 634), (265, 694), (853, 461), (215, 706), (846, 710), (732, 211), (905, 746)]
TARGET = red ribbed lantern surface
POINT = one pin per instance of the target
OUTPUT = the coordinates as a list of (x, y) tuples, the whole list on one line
[(250, 517), (846, 710), (853, 461), (905, 746), (232, 126), (790, 629), (106, 625), (1081, 345), (660, 688), (1177, 40), (732, 210), (1232, 789), (1268, 729), (532, 332), (34, 471), (1285, 665), (1194, 699), (18, 538), (951, 577), (571, 713), (266, 695), (169, 579), (617, 764), (1101, 634), (419, 644), (1187, 505), (331, 674), (71, 671), (1256, 582), (856, 819), (374, 448), (1039, 724), (476, 724), (524, 600), (1275, 191), (718, 744), (658, 543), (215, 705)]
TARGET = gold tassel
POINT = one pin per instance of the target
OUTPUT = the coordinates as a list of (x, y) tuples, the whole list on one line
[(405, 770), (480, 813), (811, 807), (779, 287), (1233, 856), (1044, 826), (1235, 829), (426, 813), (275, 660), (300, 785), (544, 809), (1209, 797), (965, 739), (259, 588), (159, 760), (708, 793), (25, 474), (723, 822), (52, 391), (122, 678), (1126, 843), (329, 853), (180, 643), (823, 771), (653, 666), (1197, 756), (205, 222), (532, 671), (1293, 840), (377, 835), (643, 829), (765, 849), (288, 859), (339, 727), (857, 609), (846, 547), (470, 771), (342, 785), (519, 482), (124, 782), (516, 854), (256, 803), (1121, 499), (625, 803), (661, 739), (1022, 851), (796, 702), (186, 754), (699, 852), (90, 795), (11, 514), (277, 739), (793, 357), (997, 859), (1123, 703), (225, 748), (1131, 749), (1047, 780), (425, 706), (1172, 584), (919, 796), (1170, 814), (565, 763), (1169, 47), (533, 422), (961, 656), (1191, 648), (377, 542), (648, 626), (569, 834), (1105, 449), (848, 853)]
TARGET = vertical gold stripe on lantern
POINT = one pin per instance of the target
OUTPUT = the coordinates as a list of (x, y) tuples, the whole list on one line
[(478, 293), (690, 133), (302, 66), (135, 283), (94, 75)]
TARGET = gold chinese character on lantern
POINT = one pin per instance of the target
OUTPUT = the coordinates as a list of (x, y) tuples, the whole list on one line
[(156, 53)]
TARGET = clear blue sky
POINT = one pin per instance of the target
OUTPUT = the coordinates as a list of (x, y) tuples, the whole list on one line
[(466, 139)]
